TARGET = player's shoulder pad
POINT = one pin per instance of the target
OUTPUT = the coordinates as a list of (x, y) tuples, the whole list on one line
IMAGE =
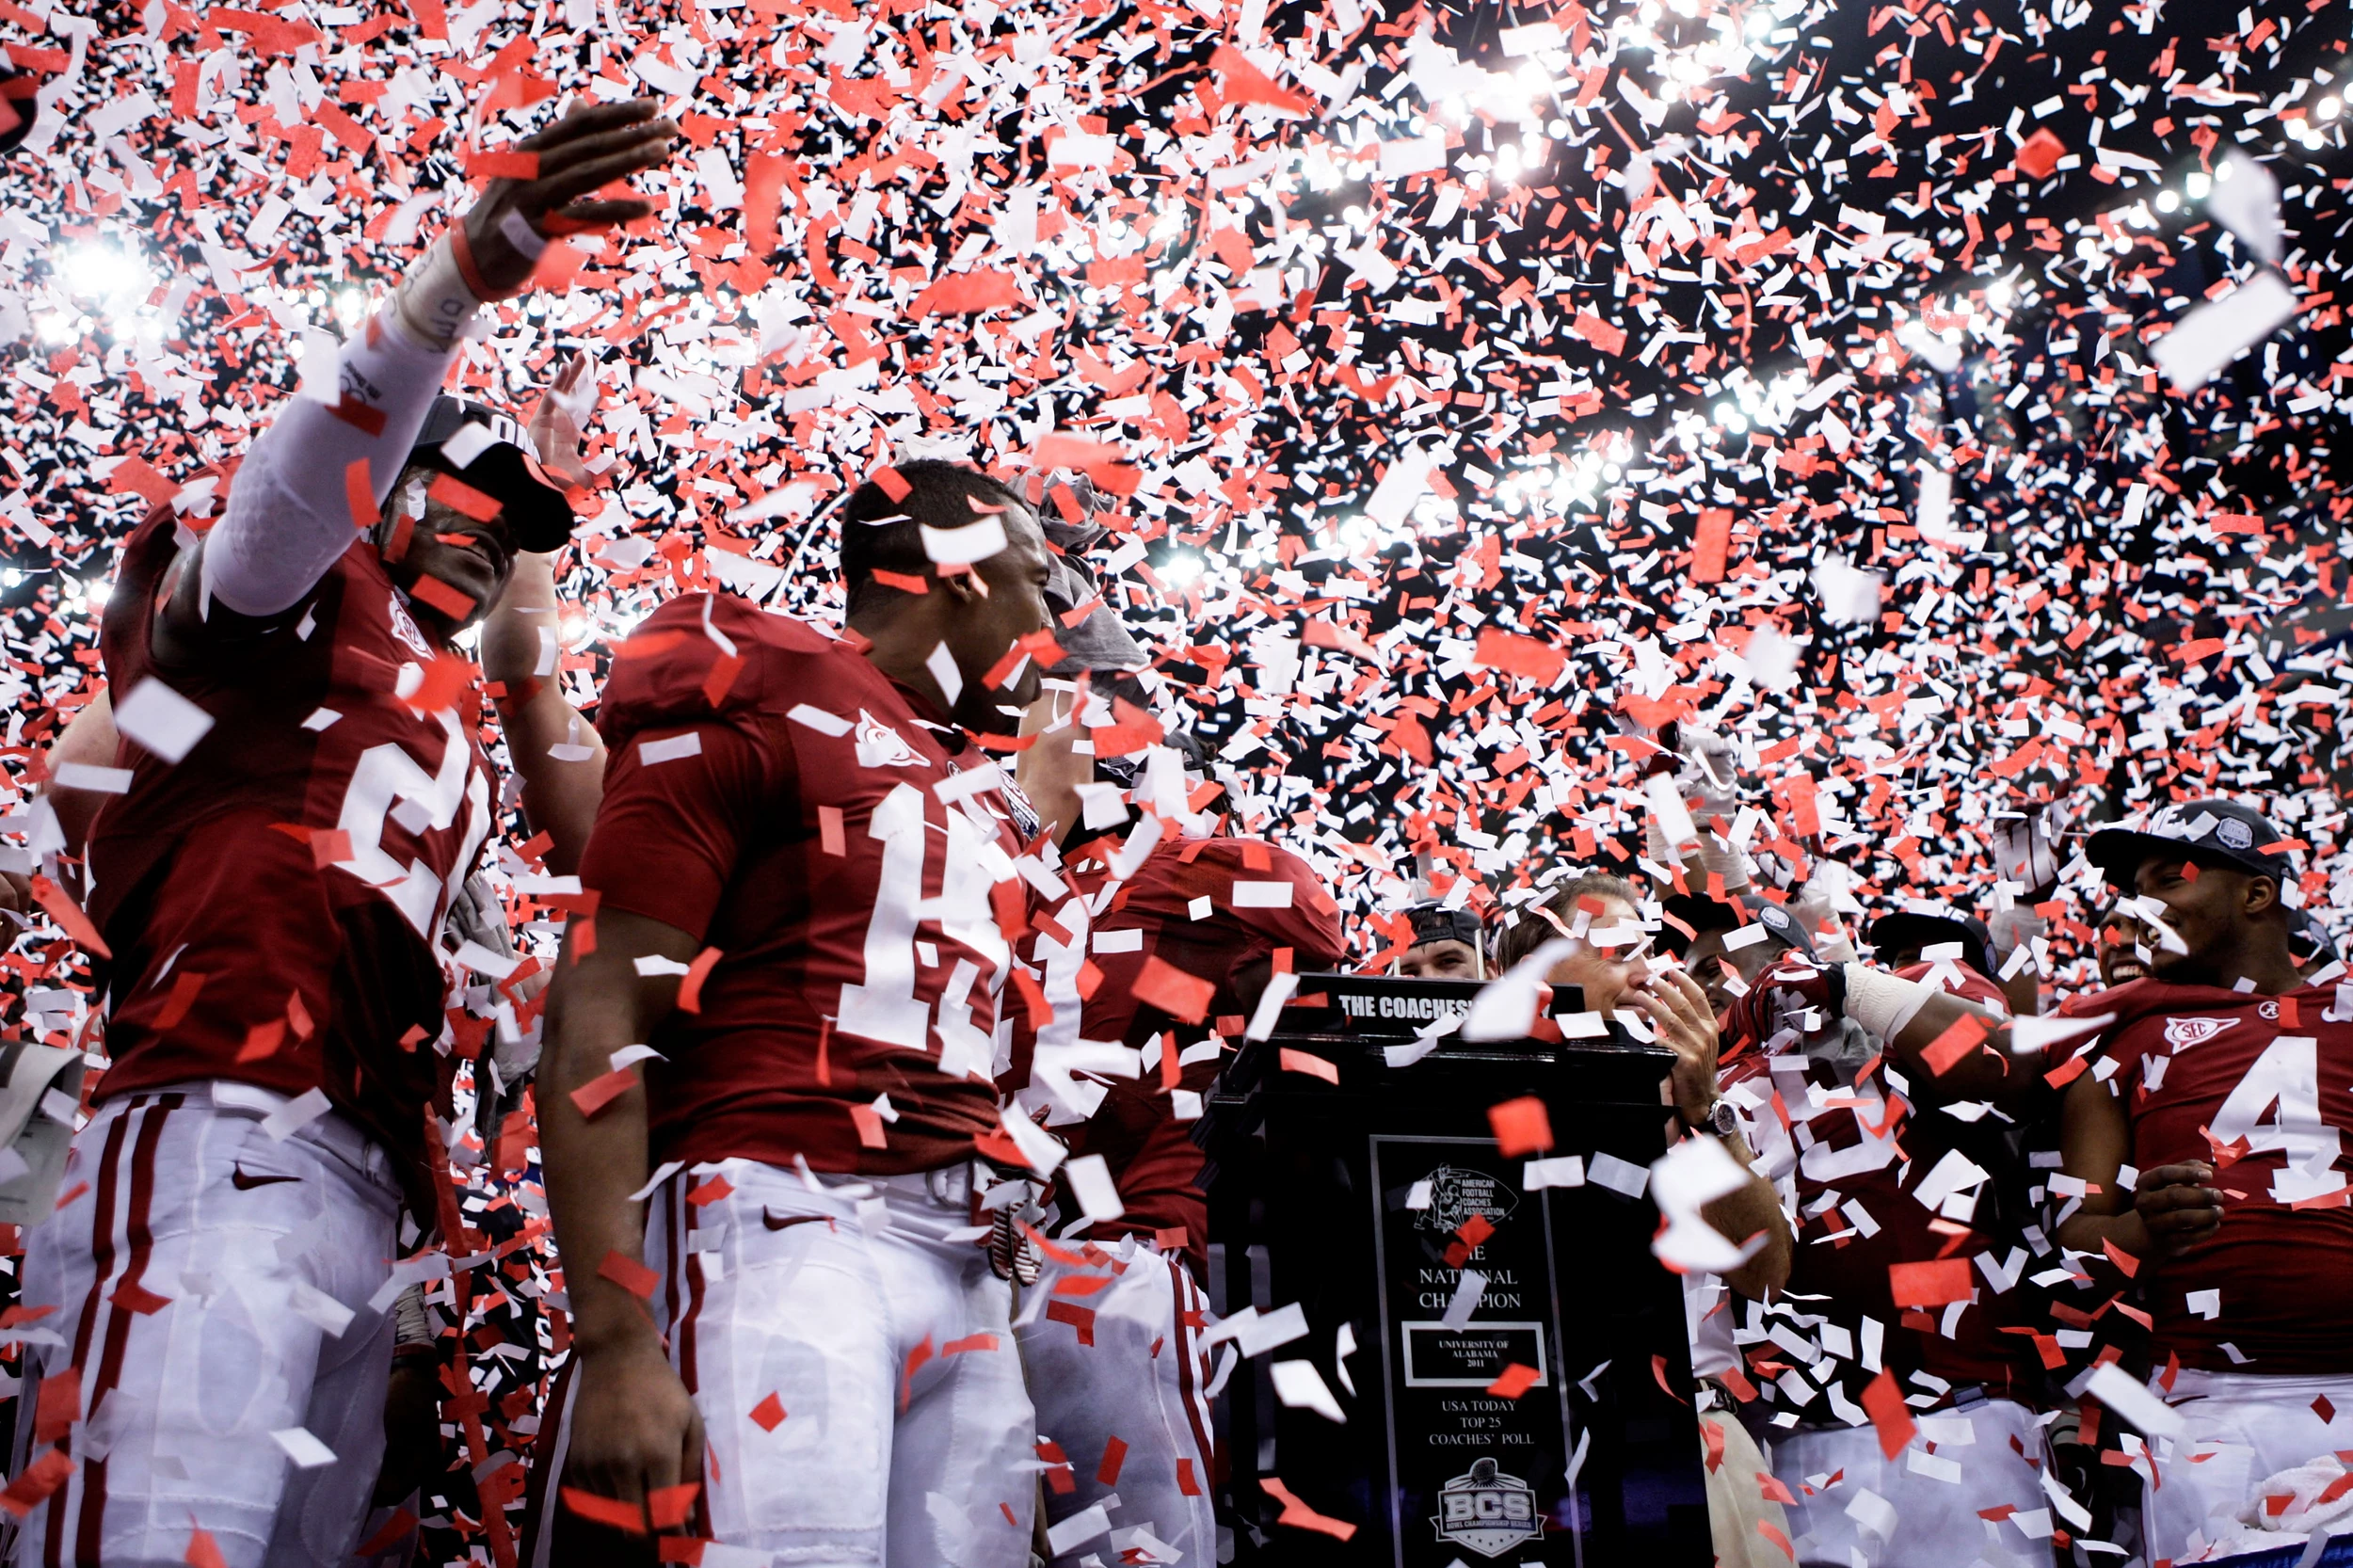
[(1313, 912), (706, 656), (2137, 1000)]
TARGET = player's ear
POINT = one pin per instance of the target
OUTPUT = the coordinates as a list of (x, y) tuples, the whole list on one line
[(2261, 895), (961, 589)]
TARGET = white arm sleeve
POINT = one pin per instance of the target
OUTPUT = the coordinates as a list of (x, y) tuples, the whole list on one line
[(289, 514)]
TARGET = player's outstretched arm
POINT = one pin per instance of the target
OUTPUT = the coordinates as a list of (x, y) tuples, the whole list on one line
[(291, 509), (557, 752), (635, 1428), (1951, 1050)]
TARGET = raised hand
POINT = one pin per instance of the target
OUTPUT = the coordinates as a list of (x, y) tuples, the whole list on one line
[(590, 148), (1782, 993), (1676, 1009), (564, 408)]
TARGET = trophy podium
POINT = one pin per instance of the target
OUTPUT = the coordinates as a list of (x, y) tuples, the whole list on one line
[(1364, 1202)]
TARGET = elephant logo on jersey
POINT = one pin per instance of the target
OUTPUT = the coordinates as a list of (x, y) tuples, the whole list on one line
[(1488, 1512), (1457, 1197), (881, 746), (2191, 1032)]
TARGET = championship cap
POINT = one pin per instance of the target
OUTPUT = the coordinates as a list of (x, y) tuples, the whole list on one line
[(1923, 924), (1702, 913), (2211, 832), (490, 452)]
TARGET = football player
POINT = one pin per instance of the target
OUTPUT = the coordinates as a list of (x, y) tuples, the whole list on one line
[(305, 796), (1818, 1040), (2207, 1122), (1110, 1336), (802, 861)]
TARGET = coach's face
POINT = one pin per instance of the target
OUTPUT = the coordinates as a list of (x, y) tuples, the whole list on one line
[(1607, 973)]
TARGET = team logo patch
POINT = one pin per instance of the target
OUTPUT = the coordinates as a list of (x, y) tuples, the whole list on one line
[(406, 629), (2234, 834), (1487, 1511), (2190, 1032), (1456, 1195), (881, 746)]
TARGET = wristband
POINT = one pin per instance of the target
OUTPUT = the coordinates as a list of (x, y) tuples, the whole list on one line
[(522, 236), (433, 302), (1883, 1003), (461, 248)]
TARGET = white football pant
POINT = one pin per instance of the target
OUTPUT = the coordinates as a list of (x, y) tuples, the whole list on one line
[(852, 1355), (2242, 1427), (1918, 1509), (1116, 1369), (212, 1287)]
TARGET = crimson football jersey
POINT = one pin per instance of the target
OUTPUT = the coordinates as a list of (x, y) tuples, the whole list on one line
[(827, 833), (273, 898), (1152, 916), (1858, 1169), (2261, 1088)]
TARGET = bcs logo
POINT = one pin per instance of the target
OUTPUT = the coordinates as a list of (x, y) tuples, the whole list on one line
[(1488, 1512), (2190, 1032)]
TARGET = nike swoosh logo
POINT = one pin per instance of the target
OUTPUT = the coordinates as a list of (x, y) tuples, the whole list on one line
[(790, 1220), (246, 1183)]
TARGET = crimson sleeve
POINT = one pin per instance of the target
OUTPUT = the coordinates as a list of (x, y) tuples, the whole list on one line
[(669, 832), (1311, 926)]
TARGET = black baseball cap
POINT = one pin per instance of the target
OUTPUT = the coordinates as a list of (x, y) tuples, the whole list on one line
[(1730, 913), (1435, 922), (2210, 832), (532, 501), (1927, 925)]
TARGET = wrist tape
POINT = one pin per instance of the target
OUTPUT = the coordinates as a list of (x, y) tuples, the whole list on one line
[(433, 302), (1881, 1002)]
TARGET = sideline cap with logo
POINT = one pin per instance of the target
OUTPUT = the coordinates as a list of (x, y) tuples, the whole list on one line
[(1435, 922), (1923, 924), (488, 450), (2212, 832)]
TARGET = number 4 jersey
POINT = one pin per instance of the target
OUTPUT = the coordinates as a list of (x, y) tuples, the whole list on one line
[(2261, 1088), (271, 899), (825, 835)]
